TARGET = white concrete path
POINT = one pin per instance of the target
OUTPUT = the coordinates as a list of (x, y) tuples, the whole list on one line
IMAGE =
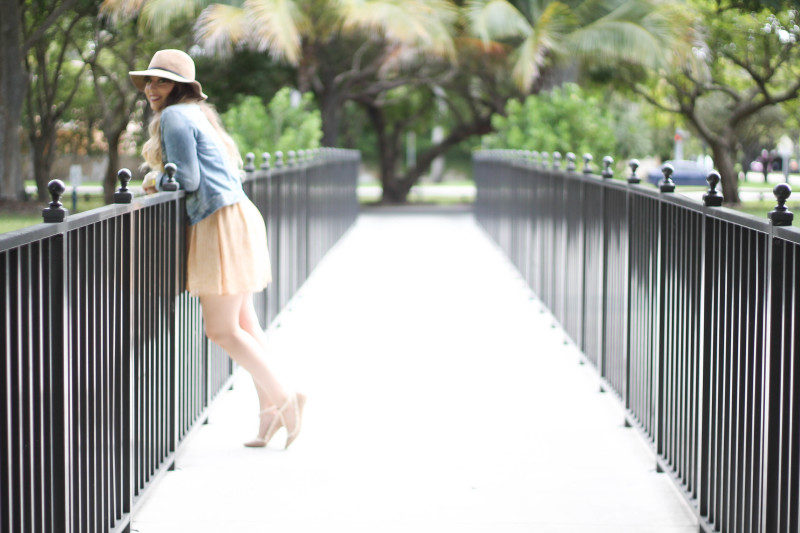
[(441, 399)]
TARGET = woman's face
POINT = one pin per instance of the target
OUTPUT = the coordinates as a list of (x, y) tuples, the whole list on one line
[(157, 89)]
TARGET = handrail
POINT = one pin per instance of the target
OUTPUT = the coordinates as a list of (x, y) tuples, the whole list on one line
[(105, 368), (689, 312)]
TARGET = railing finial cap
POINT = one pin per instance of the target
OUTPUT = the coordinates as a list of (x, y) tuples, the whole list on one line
[(123, 195), (607, 171), (171, 184), (55, 212), (667, 185), (781, 216), (712, 198)]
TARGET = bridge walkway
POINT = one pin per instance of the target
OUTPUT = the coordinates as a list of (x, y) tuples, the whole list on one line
[(442, 398)]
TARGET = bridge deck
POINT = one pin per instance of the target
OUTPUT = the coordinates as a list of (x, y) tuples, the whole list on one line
[(441, 398)]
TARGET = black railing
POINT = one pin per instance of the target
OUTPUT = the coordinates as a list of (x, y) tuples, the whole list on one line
[(105, 368), (689, 312)]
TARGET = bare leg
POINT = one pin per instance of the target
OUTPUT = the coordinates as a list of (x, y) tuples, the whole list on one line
[(221, 316), (248, 321)]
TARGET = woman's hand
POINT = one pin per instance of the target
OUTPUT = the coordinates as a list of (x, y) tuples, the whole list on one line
[(149, 182)]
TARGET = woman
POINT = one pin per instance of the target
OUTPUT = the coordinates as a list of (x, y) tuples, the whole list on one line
[(227, 257)]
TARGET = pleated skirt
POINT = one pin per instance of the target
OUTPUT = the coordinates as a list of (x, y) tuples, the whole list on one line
[(228, 252)]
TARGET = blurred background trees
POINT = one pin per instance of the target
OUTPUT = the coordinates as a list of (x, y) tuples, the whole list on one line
[(407, 82), (280, 125)]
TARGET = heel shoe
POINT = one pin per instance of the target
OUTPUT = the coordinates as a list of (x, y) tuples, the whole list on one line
[(262, 438), (296, 401), (298, 404)]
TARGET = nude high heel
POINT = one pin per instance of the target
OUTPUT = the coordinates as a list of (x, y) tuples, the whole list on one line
[(296, 401), (298, 404), (261, 440)]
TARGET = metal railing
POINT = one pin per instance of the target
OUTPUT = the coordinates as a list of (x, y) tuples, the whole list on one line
[(105, 368), (689, 312)]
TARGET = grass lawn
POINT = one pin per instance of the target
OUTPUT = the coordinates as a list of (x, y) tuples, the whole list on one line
[(18, 215), (760, 209)]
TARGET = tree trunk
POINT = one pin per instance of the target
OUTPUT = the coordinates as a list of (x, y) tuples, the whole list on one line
[(331, 112), (723, 160), (393, 190), (389, 150), (43, 146), (12, 97), (110, 179), (481, 126)]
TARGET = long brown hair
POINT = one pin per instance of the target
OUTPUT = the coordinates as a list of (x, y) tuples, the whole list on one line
[(183, 93)]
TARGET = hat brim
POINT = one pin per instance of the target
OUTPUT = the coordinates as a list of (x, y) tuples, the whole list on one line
[(138, 79)]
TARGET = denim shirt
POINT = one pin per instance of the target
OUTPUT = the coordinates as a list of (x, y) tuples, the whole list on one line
[(190, 142)]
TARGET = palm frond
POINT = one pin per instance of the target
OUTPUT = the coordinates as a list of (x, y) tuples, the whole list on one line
[(633, 32), (220, 28), (119, 10), (547, 37), (158, 14), (492, 20), (277, 27), (423, 24)]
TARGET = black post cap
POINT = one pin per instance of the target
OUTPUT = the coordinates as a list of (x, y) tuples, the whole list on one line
[(557, 160), (265, 161), (712, 198), (667, 185), (634, 165), (250, 159), (781, 216), (587, 163), (55, 212), (171, 184), (123, 195), (571, 162), (608, 173)]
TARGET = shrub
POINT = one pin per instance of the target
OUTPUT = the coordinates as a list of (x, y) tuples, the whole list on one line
[(276, 126), (569, 119)]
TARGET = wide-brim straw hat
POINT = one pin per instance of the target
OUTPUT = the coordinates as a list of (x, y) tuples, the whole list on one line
[(174, 65)]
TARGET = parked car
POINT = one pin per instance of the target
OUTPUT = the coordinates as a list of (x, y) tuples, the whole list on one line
[(687, 172)]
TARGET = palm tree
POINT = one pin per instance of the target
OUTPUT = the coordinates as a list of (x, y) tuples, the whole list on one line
[(342, 49), (637, 32)]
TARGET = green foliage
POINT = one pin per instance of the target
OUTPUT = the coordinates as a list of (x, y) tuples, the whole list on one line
[(567, 119), (276, 126), (227, 78)]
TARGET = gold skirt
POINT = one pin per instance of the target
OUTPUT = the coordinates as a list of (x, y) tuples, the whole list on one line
[(228, 252)]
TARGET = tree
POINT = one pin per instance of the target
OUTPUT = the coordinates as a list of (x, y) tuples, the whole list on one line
[(341, 49), (52, 84), (636, 32), (565, 119), (115, 52), (742, 64), (23, 26), (475, 90), (530, 38)]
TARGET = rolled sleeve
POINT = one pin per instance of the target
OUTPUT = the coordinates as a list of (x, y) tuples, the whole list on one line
[(179, 146)]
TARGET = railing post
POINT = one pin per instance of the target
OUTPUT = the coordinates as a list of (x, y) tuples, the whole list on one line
[(58, 353), (265, 157), (775, 492), (711, 199), (666, 186)]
